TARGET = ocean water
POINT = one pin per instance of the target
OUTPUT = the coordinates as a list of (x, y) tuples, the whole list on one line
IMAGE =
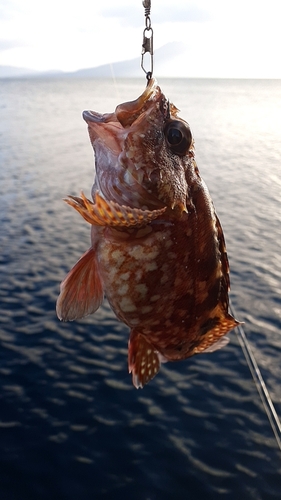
[(71, 424)]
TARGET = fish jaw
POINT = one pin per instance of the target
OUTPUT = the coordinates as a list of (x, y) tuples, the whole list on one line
[(104, 129), (108, 132)]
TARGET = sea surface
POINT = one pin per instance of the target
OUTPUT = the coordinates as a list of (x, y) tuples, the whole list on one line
[(72, 426)]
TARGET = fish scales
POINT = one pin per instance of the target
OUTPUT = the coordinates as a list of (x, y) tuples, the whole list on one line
[(157, 247)]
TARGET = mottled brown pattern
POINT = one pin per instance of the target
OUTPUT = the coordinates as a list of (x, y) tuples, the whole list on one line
[(158, 249)]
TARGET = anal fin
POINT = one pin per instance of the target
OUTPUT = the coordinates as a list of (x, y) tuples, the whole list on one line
[(109, 213), (81, 292), (144, 361)]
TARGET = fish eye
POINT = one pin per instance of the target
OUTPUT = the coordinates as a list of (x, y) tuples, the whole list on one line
[(178, 137)]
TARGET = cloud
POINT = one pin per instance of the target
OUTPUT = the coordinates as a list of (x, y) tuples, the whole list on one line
[(187, 13), (125, 16), (9, 44), (220, 38)]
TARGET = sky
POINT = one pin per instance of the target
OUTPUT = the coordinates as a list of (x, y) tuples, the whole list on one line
[(215, 38)]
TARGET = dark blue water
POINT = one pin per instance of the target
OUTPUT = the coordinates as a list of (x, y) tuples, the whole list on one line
[(71, 424)]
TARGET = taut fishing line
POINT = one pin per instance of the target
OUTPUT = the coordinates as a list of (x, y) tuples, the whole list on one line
[(259, 382)]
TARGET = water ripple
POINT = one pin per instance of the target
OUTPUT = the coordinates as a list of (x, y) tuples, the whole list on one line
[(72, 426)]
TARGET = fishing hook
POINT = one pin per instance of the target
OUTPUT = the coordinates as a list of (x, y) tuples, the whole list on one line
[(147, 43)]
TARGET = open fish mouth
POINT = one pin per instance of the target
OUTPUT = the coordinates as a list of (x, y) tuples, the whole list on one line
[(133, 159), (109, 130), (126, 113)]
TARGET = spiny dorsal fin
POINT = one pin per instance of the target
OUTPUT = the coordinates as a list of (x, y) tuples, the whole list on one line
[(109, 213)]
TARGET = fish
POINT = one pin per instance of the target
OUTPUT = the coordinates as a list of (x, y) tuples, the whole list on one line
[(157, 250)]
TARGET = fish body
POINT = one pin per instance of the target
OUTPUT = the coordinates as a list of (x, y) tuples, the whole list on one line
[(157, 247)]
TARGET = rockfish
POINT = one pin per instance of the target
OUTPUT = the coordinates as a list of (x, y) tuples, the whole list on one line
[(157, 247)]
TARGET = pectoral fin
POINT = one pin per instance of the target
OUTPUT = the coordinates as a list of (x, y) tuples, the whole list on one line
[(144, 361), (220, 344), (212, 334), (81, 292), (109, 213)]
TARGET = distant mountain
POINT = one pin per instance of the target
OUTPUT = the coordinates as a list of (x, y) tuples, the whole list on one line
[(131, 68), (163, 59), (122, 69), (12, 72)]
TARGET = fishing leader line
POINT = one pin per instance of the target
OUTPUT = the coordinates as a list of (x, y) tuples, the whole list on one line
[(147, 46)]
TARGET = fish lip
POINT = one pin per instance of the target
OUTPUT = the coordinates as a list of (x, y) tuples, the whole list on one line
[(128, 112), (90, 116), (95, 117), (104, 131)]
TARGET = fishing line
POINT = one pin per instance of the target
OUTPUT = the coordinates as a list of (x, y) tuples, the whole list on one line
[(147, 46), (259, 381), (114, 81)]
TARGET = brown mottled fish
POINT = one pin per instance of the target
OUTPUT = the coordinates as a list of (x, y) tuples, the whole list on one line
[(158, 250)]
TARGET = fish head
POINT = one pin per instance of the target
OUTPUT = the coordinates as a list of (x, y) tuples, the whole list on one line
[(144, 153)]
